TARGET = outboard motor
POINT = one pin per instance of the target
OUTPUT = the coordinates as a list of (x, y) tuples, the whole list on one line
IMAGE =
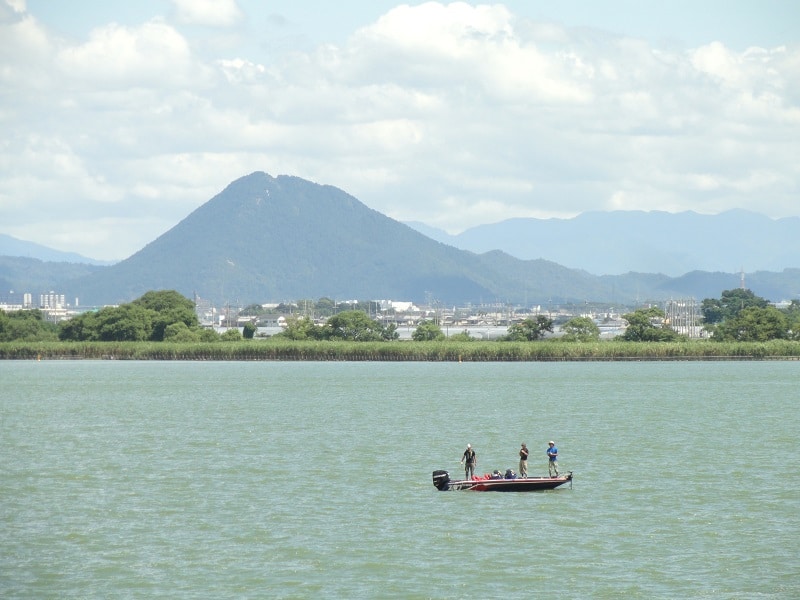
[(441, 479)]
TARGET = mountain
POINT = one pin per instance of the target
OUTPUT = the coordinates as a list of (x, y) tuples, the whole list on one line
[(271, 239), (281, 238), (11, 246), (20, 275), (609, 243)]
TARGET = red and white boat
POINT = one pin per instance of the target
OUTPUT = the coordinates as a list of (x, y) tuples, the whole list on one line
[(492, 483)]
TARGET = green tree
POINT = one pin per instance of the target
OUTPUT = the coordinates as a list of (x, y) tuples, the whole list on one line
[(730, 303), (461, 336), (231, 335), (753, 324), (530, 329), (80, 328), (26, 326), (285, 309), (793, 309), (179, 332), (580, 329), (793, 320), (300, 328), (325, 307), (249, 331), (353, 325), (169, 307), (146, 318), (389, 332), (427, 331), (127, 322), (206, 334), (647, 325), (252, 310)]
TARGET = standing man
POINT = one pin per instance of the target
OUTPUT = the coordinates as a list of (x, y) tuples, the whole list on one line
[(469, 460), (523, 461), (552, 455)]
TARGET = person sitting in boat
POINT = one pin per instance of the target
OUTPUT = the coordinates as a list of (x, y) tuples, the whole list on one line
[(496, 475), (510, 474)]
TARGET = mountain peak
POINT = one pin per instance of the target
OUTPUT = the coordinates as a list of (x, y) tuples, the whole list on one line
[(265, 238)]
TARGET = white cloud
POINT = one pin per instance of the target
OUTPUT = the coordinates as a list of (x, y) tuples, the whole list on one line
[(458, 45), (23, 45), (11, 8), (454, 115), (719, 62), (151, 55)]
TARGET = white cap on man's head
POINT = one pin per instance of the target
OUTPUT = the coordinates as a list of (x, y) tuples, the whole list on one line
[(551, 442), (468, 446)]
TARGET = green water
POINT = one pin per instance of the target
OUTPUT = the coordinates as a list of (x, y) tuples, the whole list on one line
[(313, 480)]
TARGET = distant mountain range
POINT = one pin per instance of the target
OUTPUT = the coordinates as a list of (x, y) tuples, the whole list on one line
[(273, 239), (11, 246), (612, 243)]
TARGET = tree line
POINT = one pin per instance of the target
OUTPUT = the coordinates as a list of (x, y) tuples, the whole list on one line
[(157, 316), (737, 316)]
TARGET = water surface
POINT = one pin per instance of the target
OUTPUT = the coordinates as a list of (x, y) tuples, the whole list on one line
[(313, 480)]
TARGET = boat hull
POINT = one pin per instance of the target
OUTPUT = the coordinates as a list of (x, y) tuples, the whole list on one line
[(443, 483)]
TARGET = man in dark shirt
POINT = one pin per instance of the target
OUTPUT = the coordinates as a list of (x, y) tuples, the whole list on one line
[(523, 461), (469, 460)]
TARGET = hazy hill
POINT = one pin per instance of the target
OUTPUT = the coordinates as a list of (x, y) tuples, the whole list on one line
[(20, 275), (610, 243), (11, 246)]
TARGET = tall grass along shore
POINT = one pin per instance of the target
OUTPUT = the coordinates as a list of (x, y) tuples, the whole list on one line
[(472, 351)]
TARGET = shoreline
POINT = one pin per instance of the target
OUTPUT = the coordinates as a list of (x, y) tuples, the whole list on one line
[(476, 351)]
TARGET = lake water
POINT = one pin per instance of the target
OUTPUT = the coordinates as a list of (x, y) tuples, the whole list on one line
[(313, 480)]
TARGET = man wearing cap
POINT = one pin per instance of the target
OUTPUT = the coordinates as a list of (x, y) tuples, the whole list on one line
[(469, 460), (523, 461), (552, 455)]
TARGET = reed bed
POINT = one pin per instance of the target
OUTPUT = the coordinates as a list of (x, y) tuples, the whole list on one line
[(445, 351)]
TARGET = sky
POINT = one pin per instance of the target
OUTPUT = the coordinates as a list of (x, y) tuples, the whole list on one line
[(119, 119)]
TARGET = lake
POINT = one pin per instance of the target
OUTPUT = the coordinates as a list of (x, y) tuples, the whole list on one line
[(313, 480)]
